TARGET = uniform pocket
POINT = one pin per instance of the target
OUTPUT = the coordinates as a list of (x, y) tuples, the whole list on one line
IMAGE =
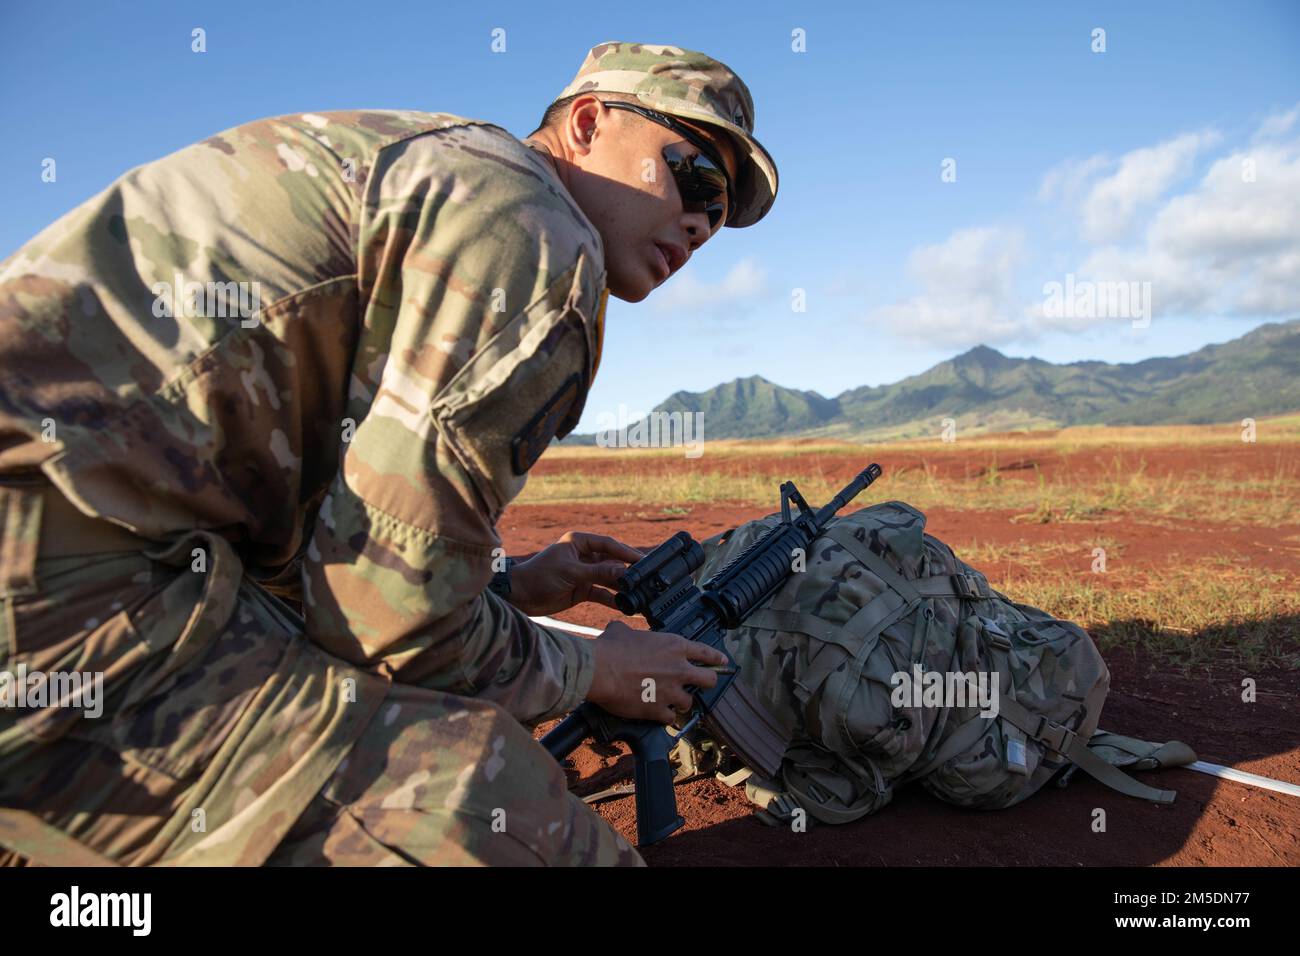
[(209, 652), (525, 386), (175, 724)]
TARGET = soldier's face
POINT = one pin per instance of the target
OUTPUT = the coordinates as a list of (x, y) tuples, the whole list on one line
[(629, 194)]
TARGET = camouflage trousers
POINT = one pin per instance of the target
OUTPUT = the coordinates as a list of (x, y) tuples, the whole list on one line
[(227, 737)]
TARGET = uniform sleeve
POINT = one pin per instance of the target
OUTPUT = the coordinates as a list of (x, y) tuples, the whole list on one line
[(480, 283)]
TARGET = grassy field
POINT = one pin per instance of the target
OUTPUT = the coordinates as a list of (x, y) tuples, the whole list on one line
[(1033, 489), (1217, 609), (1279, 430), (1117, 480), (1125, 487)]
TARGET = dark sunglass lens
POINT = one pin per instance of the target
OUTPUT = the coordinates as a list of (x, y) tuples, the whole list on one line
[(701, 183)]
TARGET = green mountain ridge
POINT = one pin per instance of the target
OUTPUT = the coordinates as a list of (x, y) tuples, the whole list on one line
[(1255, 375)]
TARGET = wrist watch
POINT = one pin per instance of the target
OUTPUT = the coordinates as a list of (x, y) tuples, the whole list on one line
[(500, 583)]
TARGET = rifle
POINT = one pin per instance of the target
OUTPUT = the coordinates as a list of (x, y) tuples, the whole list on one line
[(660, 587)]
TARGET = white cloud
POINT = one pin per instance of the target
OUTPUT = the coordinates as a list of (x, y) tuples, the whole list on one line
[(1278, 124), (1141, 177), (968, 292), (1224, 245), (744, 283), (1066, 181), (1228, 247)]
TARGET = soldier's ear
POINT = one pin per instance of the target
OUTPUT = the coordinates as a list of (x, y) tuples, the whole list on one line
[(581, 126)]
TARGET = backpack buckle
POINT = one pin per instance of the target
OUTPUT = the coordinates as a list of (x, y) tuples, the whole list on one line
[(1054, 735), (966, 587)]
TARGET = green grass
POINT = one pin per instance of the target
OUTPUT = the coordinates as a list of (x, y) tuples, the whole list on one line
[(1216, 610), (1277, 430), (1124, 488)]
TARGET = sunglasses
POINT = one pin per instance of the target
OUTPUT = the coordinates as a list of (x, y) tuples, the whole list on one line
[(701, 178)]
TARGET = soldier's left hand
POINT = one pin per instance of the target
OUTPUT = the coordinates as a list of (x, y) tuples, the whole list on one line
[(578, 567)]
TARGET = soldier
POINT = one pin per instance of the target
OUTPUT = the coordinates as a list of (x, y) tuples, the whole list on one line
[(303, 366)]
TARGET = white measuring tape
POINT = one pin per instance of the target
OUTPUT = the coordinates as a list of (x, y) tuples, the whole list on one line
[(1213, 769), (1250, 779), (566, 626)]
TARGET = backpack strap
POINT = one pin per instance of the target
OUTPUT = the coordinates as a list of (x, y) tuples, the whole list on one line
[(1069, 744), (962, 585), (856, 638), (1049, 733), (905, 589), (858, 635), (803, 622), (957, 742), (1133, 753)]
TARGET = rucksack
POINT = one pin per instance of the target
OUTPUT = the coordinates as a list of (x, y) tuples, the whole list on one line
[(876, 597)]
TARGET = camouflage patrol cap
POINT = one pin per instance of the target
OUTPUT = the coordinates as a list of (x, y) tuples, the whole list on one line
[(694, 87)]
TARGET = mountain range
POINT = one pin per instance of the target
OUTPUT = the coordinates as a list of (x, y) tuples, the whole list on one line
[(981, 389)]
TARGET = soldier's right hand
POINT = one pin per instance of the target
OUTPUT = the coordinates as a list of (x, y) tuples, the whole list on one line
[(643, 675)]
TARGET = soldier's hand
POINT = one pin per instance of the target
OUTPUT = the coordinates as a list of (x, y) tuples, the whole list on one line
[(644, 674), (578, 567)]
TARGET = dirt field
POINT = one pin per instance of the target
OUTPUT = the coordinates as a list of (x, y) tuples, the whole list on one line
[(1201, 589)]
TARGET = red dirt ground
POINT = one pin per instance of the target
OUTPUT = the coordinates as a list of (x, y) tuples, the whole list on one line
[(1213, 822)]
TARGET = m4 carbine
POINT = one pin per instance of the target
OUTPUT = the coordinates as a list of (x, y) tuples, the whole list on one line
[(660, 587)]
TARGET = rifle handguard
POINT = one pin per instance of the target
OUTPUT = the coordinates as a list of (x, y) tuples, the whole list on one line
[(660, 587)]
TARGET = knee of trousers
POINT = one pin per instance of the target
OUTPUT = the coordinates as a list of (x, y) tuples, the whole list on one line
[(435, 769)]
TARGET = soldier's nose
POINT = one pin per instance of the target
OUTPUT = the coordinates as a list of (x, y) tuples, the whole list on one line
[(697, 231)]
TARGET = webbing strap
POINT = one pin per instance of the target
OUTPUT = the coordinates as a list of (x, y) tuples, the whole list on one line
[(858, 633), (1066, 742), (1146, 754), (960, 585), (802, 622), (28, 835), (873, 562), (960, 739), (867, 624)]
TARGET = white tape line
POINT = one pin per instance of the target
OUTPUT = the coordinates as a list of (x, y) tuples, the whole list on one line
[(1250, 779), (566, 626)]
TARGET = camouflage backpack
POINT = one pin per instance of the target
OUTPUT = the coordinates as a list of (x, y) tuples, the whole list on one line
[(876, 599)]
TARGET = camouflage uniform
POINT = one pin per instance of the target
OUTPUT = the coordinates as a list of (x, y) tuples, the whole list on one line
[(399, 310), (423, 276)]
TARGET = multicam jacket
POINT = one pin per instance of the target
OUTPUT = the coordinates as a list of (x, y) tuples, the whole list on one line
[(339, 340)]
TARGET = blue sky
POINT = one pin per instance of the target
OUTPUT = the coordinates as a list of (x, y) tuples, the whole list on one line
[(1124, 165)]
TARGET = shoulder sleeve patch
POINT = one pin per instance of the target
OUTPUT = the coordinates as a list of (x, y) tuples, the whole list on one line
[(527, 446)]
